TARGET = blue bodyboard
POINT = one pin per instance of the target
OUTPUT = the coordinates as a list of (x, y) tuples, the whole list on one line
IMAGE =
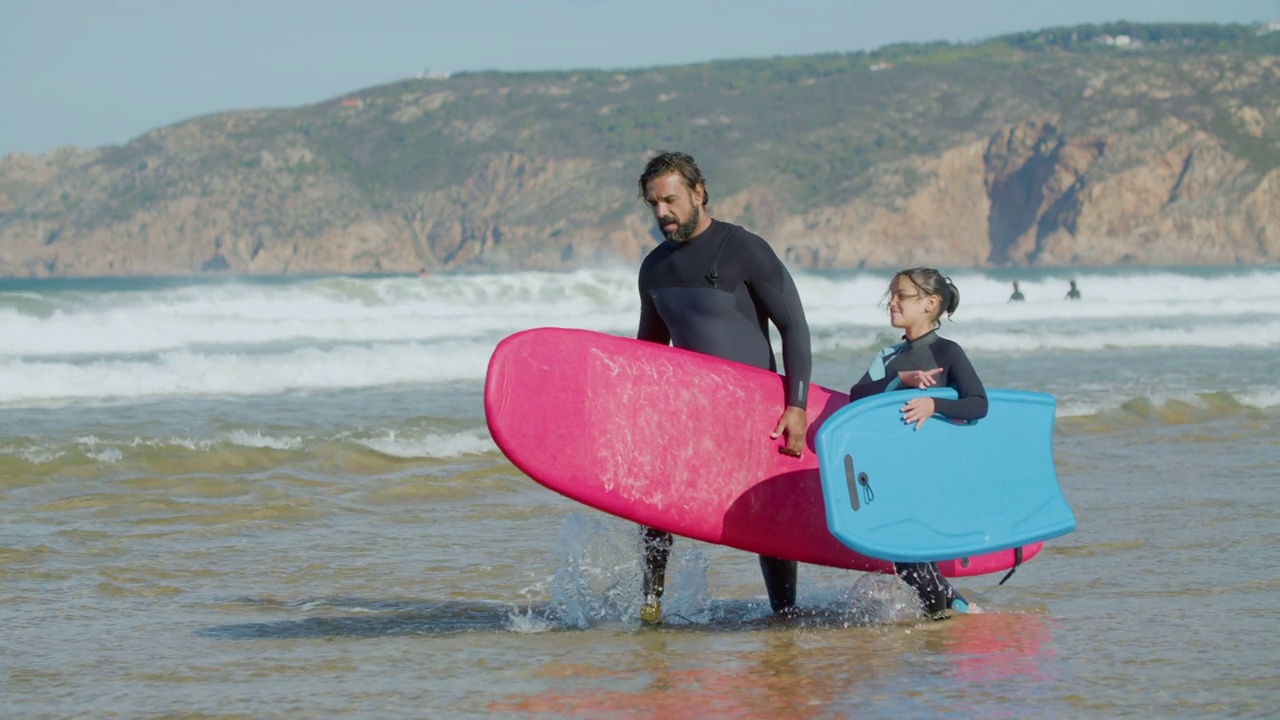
[(947, 490)]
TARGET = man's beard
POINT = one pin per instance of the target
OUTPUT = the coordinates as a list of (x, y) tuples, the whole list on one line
[(685, 229)]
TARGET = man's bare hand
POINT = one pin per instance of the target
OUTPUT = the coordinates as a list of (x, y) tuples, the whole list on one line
[(793, 424)]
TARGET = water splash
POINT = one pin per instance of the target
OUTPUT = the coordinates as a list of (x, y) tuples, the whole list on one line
[(599, 570)]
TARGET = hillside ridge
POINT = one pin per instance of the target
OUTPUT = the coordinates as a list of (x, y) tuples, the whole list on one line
[(1092, 145)]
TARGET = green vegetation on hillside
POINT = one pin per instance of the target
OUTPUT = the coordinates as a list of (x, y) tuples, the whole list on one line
[(820, 126)]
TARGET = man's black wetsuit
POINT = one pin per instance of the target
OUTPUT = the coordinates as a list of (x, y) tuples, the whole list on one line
[(928, 352), (716, 293)]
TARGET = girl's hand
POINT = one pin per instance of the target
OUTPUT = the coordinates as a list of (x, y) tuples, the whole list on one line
[(919, 379), (917, 410)]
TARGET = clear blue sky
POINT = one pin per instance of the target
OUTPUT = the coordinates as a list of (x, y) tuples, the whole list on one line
[(99, 72)]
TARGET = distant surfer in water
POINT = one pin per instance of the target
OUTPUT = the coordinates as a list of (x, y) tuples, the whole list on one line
[(917, 299), (713, 287), (1074, 292), (1017, 295)]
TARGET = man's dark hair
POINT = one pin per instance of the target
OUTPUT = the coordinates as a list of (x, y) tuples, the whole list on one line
[(674, 162)]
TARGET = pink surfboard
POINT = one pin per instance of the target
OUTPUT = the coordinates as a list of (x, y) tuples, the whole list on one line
[(675, 440)]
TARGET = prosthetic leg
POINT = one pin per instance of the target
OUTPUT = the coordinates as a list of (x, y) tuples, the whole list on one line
[(657, 550)]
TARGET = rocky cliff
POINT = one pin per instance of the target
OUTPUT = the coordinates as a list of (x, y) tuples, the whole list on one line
[(1004, 153)]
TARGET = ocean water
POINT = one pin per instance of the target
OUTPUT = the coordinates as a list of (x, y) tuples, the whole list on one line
[(278, 498)]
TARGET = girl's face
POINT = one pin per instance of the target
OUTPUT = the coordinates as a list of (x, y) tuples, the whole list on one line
[(910, 308)]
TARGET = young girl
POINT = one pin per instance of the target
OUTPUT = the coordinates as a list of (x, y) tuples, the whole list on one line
[(917, 299)]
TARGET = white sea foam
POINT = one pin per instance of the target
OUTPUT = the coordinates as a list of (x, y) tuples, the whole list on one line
[(1268, 398), (255, 439), (1079, 408), (184, 442), (402, 443), (193, 374), (350, 310), (242, 339), (1084, 406), (337, 310), (37, 454), (106, 456), (430, 445), (1005, 339), (1217, 335), (1140, 296)]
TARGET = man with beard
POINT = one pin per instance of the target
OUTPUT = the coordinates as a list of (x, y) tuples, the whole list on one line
[(713, 288)]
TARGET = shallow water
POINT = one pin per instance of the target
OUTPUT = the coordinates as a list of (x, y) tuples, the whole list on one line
[(352, 545)]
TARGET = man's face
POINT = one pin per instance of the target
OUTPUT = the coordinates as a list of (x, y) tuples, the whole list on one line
[(675, 206)]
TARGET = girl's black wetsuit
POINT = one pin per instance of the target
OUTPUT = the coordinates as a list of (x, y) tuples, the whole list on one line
[(927, 353)]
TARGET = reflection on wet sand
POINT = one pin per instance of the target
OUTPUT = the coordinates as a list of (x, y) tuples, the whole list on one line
[(989, 647), (780, 677), (791, 672)]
